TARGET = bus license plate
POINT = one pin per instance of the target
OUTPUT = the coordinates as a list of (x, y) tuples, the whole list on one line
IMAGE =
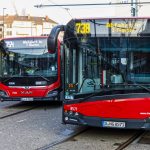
[(113, 124), (27, 99)]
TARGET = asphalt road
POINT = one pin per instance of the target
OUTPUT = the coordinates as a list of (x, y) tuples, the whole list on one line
[(42, 126), (96, 139), (8, 108), (34, 129), (8, 103)]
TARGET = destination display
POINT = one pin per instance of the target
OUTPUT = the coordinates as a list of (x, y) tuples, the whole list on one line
[(26, 43), (113, 27), (32, 45)]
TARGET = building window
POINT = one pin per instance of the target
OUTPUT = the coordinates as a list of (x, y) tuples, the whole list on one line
[(9, 32), (9, 25)]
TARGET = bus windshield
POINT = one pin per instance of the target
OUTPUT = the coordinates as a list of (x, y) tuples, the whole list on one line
[(107, 55), (27, 57)]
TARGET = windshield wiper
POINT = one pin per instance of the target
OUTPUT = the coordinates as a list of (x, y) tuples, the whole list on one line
[(89, 96), (8, 79), (26, 76), (42, 77), (134, 84), (139, 85)]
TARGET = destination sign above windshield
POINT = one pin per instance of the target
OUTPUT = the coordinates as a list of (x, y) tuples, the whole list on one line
[(20, 43), (112, 27)]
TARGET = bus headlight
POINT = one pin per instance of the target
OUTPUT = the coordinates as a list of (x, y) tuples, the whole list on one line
[(3, 93), (52, 94), (70, 113)]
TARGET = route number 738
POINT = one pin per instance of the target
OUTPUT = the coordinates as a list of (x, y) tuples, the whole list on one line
[(83, 28)]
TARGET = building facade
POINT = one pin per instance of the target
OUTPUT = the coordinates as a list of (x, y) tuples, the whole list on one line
[(16, 26)]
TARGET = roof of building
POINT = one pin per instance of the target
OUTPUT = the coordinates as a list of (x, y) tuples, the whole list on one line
[(38, 20)]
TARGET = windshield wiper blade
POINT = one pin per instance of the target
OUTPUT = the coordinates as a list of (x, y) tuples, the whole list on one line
[(8, 79), (26, 76), (42, 77), (139, 85), (95, 94), (134, 83), (89, 96)]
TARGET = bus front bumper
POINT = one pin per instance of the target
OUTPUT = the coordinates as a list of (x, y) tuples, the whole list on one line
[(107, 122), (28, 98)]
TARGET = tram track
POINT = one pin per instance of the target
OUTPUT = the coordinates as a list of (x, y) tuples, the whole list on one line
[(16, 109), (131, 140), (17, 112), (135, 137), (57, 142)]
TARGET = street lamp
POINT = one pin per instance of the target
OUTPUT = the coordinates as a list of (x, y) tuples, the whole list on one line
[(3, 20)]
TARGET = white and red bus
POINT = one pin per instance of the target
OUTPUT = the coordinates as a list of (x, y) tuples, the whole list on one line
[(106, 72), (28, 72)]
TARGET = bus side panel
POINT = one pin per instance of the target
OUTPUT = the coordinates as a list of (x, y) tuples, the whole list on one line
[(133, 108)]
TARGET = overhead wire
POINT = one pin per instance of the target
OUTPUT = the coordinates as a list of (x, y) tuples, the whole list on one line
[(91, 4), (66, 9)]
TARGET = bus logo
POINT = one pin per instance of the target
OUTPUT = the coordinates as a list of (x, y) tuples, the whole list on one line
[(26, 92), (73, 108), (27, 87)]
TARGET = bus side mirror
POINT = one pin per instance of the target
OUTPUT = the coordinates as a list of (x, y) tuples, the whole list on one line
[(53, 38)]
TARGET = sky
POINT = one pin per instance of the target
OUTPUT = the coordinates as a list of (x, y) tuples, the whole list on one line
[(62, 14)]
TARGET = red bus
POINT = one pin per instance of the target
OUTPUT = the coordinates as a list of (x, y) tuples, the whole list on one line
[(106, 72), (28, 72)]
